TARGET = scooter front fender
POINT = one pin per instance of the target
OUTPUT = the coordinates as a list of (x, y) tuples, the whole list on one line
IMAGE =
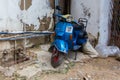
[(61, 45)]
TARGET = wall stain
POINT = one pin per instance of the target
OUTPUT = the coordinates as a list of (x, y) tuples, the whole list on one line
[(28, 3), (86, 10)]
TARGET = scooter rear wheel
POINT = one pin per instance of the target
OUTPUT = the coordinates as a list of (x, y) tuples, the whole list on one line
[(56, 58)]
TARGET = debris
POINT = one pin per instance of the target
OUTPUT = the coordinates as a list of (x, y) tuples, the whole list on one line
[(88, 49), (65, 66), (87, 77), (105, 51), (92, 39), (29, 71), (64, 70), (40, 65), (66, 62), (9, 71), (5, 56), (45, 47), (2, 69), (37, 65), (116, 67)]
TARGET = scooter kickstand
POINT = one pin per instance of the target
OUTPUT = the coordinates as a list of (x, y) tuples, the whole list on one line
[(75, 55)]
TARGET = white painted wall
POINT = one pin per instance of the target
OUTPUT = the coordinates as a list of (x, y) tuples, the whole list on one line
[(10, 14), (96, 11), (104, 20)]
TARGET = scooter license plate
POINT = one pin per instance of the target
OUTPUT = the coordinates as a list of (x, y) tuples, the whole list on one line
[(69, 29)]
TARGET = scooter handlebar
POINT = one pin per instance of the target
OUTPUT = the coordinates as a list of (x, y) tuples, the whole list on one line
[(60, 16)]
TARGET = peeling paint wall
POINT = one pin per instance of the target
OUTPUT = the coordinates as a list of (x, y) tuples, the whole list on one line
[(29, 12), (97, 13), (35, 14), (38, 10)]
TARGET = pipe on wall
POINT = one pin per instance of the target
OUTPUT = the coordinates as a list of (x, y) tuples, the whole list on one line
[(29, 35)]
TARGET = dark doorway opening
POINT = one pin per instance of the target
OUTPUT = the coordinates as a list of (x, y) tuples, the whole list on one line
[(65, 5), (115, 24)]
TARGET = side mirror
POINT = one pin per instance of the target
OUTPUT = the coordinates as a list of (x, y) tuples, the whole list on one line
[(58, 8)]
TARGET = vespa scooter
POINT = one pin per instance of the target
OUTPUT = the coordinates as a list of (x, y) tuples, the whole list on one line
[(68, 35)]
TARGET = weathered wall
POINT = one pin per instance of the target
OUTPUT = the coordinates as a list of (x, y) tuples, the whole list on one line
[(27, 11), (9, 11), (87, 9), (35, 14), (96, 11), (104, 20), (52, 3)]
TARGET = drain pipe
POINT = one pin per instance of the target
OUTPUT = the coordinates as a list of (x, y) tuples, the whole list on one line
[(28, 32)]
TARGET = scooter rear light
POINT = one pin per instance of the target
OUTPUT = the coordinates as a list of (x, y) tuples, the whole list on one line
[(70, 36)]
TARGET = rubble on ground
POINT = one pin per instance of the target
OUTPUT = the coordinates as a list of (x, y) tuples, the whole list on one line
[(41, 64)]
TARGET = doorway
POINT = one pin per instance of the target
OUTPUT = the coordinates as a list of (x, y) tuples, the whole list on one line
[(65, 6)]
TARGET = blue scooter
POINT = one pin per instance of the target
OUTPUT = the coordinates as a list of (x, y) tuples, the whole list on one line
[(68, 35)]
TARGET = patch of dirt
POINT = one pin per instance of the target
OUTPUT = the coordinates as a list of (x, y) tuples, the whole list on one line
[(94, 69)]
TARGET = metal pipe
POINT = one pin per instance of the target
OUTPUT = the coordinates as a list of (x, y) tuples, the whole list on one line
[(31, 35), (21, 37), (27, 32)]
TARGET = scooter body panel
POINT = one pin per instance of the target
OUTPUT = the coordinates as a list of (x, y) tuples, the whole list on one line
[(63, 32), (61, 46)]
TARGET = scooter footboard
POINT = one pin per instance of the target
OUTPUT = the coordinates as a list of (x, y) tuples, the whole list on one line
[(61, 45)]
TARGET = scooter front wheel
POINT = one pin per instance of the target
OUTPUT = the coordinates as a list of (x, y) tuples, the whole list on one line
[(56, 58)]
